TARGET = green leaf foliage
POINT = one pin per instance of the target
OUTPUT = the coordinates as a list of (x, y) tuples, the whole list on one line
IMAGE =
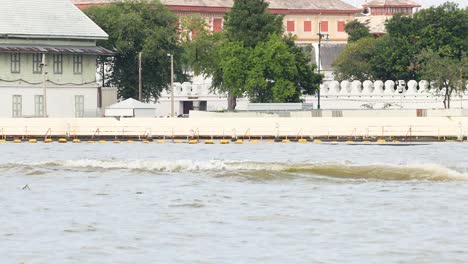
[(354, 62), (252, 57), (395, 56), (356, 31), (249, 22), (139, 26), (446, 73)]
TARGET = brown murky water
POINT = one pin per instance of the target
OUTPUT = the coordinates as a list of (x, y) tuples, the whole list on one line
[(280, 203)]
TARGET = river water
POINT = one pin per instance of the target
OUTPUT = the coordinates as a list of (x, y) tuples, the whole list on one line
[(266, 203)]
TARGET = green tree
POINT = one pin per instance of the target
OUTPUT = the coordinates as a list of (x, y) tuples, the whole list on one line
[(252, 58), (271, 72), (354, 62), (249, 22), (441, 29), (446, 73), (139, 26), (357, 30)]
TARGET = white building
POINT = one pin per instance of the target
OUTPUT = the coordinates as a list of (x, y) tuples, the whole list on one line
[(48, 60)]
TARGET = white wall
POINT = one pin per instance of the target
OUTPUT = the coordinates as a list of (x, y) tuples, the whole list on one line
[(60, 100), (248, 126)]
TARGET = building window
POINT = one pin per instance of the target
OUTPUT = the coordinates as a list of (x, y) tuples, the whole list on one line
[(37, 61), (17, 106), (341, 26), (324, 26), (39, 105), (290, 27), (15, 63), (217, 24), (307, 26), (58, 63), (78, 64), (79, 105)]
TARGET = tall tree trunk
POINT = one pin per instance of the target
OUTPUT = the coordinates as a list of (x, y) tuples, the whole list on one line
[(232, 102), (447, 96)]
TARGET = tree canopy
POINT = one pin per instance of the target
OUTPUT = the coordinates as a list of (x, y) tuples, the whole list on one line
[(133, 27), (253, 58), (249, 22), (438, 33), (357, 30)]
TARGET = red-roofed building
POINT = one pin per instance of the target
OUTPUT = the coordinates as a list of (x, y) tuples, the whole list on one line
[(301, 17), (379, 11), (390, 7)]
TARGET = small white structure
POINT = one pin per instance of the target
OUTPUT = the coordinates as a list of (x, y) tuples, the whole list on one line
[(131, 108)]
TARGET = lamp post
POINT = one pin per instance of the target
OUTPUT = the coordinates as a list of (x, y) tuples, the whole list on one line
[(172, 83), (320, 36), (139, 78)]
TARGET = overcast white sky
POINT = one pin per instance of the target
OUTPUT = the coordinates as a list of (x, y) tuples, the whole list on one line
[(425, 3)]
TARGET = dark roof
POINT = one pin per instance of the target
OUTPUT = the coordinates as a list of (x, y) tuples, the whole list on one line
[(91, 50), (46, 19), (328, 54)]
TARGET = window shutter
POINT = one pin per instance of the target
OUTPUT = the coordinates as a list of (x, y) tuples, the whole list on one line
[(324, 26), (307, 26), (217, 24), (341, 26), (290, 26)]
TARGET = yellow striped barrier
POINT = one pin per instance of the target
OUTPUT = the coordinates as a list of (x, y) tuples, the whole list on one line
[(17, 141), (366, 142), (102, 141), (178, 141), (302, 140), (48, 140), (2, 140), (62, 140), (145, 142), (349, 142), (317, 141), (91, 141), (224, 141), (130, 141), (160, 141), (116, 141), (209, 141), (76, 140), (285, 141), (380, 141), (32, 140), (254, 141), (239, 141)]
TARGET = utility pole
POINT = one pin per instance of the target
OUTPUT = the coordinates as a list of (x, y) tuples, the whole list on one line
[(139, 76), (172, 83), (320, 35), (44, 85)]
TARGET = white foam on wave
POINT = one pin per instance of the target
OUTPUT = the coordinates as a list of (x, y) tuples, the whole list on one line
[(432, 172)]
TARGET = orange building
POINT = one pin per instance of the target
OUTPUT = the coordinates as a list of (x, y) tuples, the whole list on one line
[(301, 17)]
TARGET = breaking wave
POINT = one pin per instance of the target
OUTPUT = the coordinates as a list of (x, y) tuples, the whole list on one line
[(429, 172)]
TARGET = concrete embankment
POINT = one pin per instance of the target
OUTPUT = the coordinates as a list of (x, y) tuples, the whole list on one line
[(432, 128)]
